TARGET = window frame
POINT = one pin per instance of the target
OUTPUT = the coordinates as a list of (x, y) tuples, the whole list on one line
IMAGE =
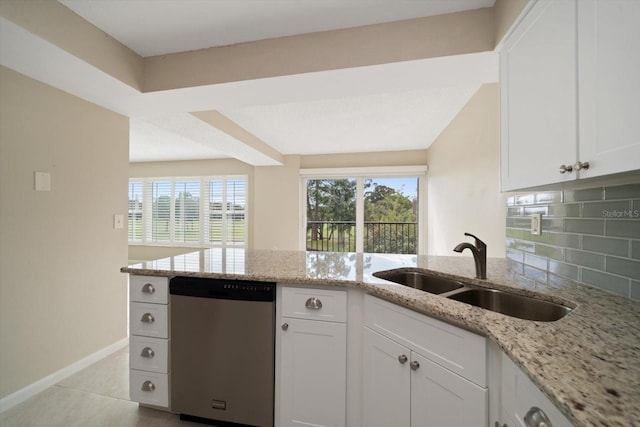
[(204, 240), (359, 174)]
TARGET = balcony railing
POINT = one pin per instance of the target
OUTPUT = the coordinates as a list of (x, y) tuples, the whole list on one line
[(379, 237)]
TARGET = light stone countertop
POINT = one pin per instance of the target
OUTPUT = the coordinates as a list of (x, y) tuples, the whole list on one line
[(587, 363)]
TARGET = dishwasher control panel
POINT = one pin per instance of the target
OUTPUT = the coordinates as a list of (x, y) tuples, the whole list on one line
[(222, 289)]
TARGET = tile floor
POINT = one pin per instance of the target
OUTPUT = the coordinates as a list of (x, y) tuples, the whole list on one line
[(97, 396)]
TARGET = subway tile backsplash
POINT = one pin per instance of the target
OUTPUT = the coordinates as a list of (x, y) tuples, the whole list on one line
[(588, 235)]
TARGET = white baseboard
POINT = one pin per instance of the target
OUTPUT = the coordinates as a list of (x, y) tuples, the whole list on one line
[(32, 389)]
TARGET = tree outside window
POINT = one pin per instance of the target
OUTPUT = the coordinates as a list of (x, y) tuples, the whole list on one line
[(390, 217)]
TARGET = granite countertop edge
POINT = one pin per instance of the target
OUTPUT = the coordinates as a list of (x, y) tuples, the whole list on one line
[(573, 361)]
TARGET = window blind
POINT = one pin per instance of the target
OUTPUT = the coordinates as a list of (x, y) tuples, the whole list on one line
[(187, 211), (202, 211), (236, 211), (135, 211)]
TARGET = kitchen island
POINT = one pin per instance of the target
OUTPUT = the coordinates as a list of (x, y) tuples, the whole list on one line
[(587, 363)]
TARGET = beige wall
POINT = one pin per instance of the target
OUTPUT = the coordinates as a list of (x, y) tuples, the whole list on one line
[(505, 13), (190, 168), (276, 195), (60, 26), (463, 180), (62, 296), (429, 37), (387, 158)]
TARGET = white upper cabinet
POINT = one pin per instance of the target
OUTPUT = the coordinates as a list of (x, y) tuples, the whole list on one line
[(609, 85), (538, 97), (569, 93)]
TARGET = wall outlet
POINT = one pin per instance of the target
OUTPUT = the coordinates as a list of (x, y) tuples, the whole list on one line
[(536, 224)]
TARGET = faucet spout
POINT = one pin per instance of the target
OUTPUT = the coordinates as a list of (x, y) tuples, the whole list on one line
[(479, 251)]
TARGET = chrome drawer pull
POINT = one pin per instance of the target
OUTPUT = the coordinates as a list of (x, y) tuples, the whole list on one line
[(148, 386), (147, 318), (537, 418), (147, 352), (313, 303), (148, 288)]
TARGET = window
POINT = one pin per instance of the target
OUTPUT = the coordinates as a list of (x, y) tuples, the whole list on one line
[(331, 215), (375, 210), (135, 211), (194, 211), (391, 215)]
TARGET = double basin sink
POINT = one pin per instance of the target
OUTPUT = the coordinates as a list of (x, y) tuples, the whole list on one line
[(504, 302)]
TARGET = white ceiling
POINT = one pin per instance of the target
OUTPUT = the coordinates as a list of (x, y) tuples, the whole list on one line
[(353, 110), (381, 122)]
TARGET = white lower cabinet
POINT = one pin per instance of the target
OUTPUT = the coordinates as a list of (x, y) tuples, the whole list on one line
[(442, 398), (386, 382), (312, 362), (521, 397), (149, 341), (149, 388), (404, 388)]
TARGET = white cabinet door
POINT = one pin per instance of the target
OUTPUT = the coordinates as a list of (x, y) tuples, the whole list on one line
[(538, 89), (520, 395), (386, 382), (440, 398), (609, 55), (313, 373)]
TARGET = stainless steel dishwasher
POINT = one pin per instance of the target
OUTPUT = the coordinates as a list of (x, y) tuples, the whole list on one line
[(222, 351)]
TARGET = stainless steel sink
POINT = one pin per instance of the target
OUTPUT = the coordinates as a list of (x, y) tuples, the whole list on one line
[(511, 304), (420, 280), (500, 301)]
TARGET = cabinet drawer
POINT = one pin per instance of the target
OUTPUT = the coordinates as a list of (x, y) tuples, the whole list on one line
[(456, 349), (149, 289), (149, 320), (149, 354), (314, 304), (149, 388)]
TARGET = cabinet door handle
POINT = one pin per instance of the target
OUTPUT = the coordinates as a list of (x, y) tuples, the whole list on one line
[(580, 165), (147, 352), (402, 359), (148, 386), (414, 365), (285, 326), (537, 418), (147, 318), (566, 169), (148, 288), (313, 303)]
